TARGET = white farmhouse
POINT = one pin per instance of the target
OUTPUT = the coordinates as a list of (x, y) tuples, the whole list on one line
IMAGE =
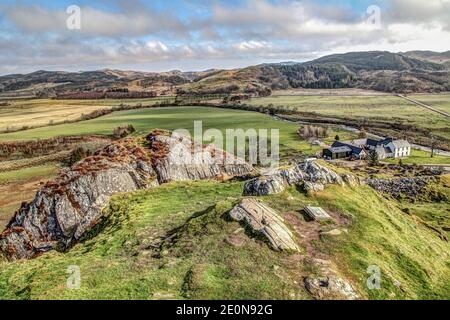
[(386, 148)]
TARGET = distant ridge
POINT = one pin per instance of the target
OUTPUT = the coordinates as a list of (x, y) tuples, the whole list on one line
[(414, 71)]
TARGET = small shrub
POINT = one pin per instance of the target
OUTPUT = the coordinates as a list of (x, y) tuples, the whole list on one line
[(77, 155), (122, 132)]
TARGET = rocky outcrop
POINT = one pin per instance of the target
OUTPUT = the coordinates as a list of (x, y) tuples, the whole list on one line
[(64, 210), (266, 221), (178, 158), (310, 174), (326, 284), (402, 188)]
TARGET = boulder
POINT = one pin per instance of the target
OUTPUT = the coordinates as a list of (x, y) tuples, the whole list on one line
[(264, 220), (307, 172), (402, 188), (312, 186), (265, 185)]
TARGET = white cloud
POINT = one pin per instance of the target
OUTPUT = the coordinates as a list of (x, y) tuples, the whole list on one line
[(257, 31)]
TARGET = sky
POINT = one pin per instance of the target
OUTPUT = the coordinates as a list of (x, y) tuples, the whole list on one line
[(188, 35)]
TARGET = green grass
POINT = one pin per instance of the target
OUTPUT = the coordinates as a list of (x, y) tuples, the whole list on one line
[(28, 173), (118, 261), (384, 236), (382, 108), (421, 157), (438, 101)]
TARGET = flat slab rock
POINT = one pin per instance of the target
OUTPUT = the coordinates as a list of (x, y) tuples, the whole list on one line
[(317, 213), (265, 220)]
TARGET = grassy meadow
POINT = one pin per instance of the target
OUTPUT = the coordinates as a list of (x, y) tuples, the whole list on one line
[(438, 101)]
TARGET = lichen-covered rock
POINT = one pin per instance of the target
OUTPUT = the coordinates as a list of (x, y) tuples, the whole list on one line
[(265, 220), (327, 284), (178, 158), (312, 186), (306, 172), (265, 185), (64, 210)]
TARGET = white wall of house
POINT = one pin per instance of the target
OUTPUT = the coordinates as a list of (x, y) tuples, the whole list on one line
[(400, 152)]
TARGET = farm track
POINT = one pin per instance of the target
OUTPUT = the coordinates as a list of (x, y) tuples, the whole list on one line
[(424, 105)]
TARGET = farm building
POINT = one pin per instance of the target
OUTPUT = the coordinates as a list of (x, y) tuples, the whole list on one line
[(342, 150), (358, 149)]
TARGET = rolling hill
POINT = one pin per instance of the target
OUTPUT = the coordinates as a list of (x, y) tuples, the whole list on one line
[(376, 70)]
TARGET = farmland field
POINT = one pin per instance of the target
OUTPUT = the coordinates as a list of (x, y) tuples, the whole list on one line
[(21, 185), (438, 101), (172, 118), (390, 109), (41, 112)]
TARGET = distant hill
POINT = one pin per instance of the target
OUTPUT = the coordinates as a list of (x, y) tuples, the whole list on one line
[(377, 70), (415, 71), (431, 56)]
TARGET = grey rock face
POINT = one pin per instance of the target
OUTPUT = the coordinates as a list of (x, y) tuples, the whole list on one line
[(179, 159), (312, 186), (311, 174), (265, 220), (64, 210)]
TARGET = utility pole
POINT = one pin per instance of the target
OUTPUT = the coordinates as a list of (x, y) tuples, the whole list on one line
[(432, 146)]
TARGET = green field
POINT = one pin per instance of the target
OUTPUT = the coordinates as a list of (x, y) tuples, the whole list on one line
[(42, 112), (27, 173), (171, 118), (20, 186), (421, 157), (438, 101), (389, 109)]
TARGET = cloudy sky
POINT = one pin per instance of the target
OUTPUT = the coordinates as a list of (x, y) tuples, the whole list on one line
[(160, 35)]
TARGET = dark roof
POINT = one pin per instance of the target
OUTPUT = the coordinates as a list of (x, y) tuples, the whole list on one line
[(354, 149), (372, 142), (340, 149), (385, 141)]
